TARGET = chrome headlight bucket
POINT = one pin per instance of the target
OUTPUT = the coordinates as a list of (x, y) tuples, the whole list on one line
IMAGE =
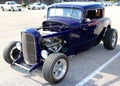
[(18, 46), (44, 54)]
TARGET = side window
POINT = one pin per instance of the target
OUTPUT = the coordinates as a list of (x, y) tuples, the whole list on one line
[(99, 13), (38, 4), (94, 14)]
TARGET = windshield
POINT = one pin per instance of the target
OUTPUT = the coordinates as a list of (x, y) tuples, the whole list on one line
[(37, 3), (12, 3), (65, 12)]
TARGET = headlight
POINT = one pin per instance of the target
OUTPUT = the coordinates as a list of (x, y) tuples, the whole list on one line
[(44, 54), (18, 45)]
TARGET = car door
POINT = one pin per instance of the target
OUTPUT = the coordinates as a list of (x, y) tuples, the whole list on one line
[(85, 36), (95, 17), (78, 37)]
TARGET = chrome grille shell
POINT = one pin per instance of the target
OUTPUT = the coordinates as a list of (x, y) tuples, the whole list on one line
[(29, 48)]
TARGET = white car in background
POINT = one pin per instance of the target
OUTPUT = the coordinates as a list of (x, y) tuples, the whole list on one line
[(11, 6), (37, 6)]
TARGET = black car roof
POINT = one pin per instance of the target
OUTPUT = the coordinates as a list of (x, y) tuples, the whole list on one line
[(82, 5)]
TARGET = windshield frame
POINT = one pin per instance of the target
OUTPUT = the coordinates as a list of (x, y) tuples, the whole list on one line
[(72, 9)]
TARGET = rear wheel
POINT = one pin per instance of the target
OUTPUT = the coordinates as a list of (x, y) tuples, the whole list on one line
[(55, 68), (110, 39), (10, 52)]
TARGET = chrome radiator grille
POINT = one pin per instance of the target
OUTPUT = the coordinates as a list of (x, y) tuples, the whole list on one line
[(29, 49)]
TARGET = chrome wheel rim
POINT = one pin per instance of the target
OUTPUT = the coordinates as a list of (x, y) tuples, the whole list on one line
[(113, 39), (14, 53), (59, 69)]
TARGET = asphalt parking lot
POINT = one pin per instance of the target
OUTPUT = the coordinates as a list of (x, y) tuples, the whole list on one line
[(95, 67)]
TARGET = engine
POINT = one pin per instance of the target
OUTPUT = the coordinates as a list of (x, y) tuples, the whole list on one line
[(53, 44)]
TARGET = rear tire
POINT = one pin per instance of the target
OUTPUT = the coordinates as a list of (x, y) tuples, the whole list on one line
[(55, 67), (110, 39)]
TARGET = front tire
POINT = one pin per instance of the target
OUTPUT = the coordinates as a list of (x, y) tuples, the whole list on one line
[(2, 9), (20, 10), (55, 68), (12, 9), (33, 8), (110, 39), (10, 52), (29, 9)]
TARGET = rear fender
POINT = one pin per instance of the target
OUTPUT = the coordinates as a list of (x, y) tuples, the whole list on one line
[(102, 24)]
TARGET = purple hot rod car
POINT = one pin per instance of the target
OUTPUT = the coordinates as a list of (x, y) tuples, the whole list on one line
[(70, 28)]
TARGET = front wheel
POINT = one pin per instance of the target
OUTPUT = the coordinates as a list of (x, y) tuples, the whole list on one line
[(55, 68), (20, 10), (2, 9), (10, 52), (110, 39), (12, 9), (33, 8), (43, 7)]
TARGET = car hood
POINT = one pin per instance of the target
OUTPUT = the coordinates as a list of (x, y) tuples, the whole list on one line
[(66, 21)]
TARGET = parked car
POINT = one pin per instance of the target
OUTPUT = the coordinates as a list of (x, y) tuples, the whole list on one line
[(109, 3), (37, 6), (104, 3), (11, 6), (70, 28), (117, 4)]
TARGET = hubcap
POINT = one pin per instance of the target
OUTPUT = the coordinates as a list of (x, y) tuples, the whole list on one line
[(59, 69), (113, 39)]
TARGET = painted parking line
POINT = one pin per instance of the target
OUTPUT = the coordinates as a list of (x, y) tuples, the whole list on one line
[(98, 70)]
